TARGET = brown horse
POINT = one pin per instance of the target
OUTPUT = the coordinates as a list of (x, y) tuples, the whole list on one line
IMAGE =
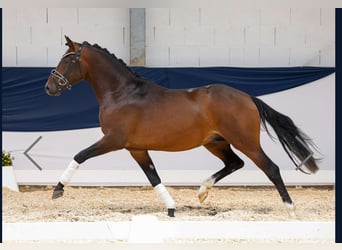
[(139, 115)]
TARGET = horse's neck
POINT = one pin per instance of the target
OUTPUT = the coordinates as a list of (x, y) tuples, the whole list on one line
[(106, 75), (113, 82)]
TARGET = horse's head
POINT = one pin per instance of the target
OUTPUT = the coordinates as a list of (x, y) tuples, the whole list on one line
[(68, 70)]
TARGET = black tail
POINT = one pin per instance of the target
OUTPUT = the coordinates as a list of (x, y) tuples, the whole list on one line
[(295, 142)]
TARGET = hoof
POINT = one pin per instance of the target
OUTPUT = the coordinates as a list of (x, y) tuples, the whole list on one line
[(293, 214), (171, 212), (203, 191), (291, 209), (202, 194), (57, 193)]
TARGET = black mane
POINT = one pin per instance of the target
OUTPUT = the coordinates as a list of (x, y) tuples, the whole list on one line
[(96, 46)]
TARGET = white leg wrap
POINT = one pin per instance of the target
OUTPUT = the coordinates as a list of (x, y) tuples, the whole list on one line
[(203, 191), (69, 172), (207, 184), (164, 194)]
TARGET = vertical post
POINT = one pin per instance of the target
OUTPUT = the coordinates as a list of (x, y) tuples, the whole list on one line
[(137, 36)]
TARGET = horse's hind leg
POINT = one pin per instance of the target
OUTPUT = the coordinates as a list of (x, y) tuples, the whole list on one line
[(144, 160), (222, 150), (272, 171)]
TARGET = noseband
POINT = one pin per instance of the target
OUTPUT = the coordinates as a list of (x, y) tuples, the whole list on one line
[(61, 79)]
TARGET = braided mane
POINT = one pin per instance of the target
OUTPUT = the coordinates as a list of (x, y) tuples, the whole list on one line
[(96, 46)]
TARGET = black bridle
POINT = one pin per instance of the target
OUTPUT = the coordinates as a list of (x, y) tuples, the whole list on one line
[(62, 81)]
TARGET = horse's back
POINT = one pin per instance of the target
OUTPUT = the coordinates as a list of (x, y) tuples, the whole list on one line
[(222, 99), (227, 93)]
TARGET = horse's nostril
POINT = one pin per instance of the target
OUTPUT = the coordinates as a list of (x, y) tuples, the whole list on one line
[(47, 89)]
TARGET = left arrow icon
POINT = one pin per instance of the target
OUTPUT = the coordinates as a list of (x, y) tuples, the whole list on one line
[(29, 148)]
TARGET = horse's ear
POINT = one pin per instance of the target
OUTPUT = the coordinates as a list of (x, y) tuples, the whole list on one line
[(69, 43)]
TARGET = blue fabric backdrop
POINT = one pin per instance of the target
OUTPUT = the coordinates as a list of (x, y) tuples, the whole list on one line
[(26, 106)]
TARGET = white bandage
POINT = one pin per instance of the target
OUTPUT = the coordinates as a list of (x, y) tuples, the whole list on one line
[(69, 172), (164, 194)]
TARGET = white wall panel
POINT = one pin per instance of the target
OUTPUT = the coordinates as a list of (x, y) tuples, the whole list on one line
[(185, 17), (251, 57), (236, 56), (289, 37), (46, 35), (21, 35), (104, 16), (314, 38), (199, 36), (245, 29), (305, 17), (10, 15), (165, 36), (295, 29), (327, 55), (304, 57), (30, 16), (244, 16), (62, 16), (275, 16), (30, 55), (214, 56), (157, 17), (267, 36), (43, 30), (9, 37), (252, 36), (222, 37), (215, 17), (274, 57), (173, 36), (328, 17), (157, 56), (237, 37), (184, 56), (9, 56)]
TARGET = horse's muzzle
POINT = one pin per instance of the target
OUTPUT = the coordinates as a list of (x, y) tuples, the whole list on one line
[(51, 88)]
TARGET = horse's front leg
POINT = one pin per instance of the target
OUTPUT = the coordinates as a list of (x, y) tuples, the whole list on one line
[(103, 146), (144, 160)]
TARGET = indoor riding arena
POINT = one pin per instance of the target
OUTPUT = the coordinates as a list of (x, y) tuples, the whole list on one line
[(203, 106)]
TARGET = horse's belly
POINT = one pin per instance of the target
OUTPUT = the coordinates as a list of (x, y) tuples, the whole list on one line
[(165, 140)]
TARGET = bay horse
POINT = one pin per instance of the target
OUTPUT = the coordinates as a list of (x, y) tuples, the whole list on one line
[(138, 115)]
